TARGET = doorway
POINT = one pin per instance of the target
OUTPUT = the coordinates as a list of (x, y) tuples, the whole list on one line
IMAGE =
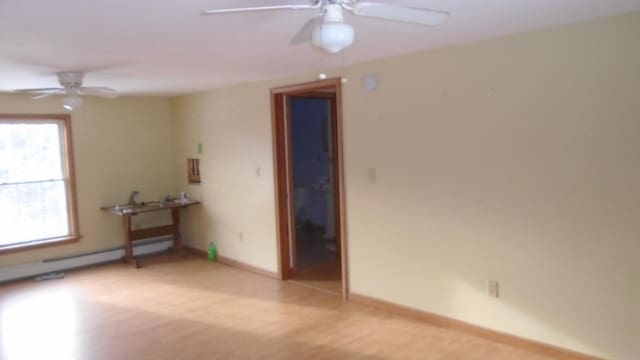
[(309, 184)]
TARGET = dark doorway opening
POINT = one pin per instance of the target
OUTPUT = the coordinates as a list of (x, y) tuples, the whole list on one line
[(309, 186), (316, 250)]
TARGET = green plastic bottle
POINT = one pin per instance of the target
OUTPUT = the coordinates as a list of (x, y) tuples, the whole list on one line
[(213, 252)]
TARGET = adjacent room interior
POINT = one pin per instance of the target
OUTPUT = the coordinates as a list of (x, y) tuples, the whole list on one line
[(339, 179), (317, 246)]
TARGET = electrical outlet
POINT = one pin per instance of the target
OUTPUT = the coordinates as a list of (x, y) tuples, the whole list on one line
[(493, 288), (240, 236), (258, 171)]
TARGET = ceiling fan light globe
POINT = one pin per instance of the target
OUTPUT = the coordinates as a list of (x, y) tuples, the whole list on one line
[(333, 37), (71, 102)]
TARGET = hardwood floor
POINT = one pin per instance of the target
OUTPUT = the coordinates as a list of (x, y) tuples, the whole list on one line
[(326, 277), (192, 309)]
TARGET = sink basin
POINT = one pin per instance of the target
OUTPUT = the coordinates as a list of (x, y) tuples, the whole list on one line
[(148, 207), (124, 207), (137, 208)]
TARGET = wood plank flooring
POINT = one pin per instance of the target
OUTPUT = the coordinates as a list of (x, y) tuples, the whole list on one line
[(326, 276), (192, 309)]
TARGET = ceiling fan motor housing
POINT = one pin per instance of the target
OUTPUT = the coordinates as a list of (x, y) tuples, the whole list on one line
[(70, 79), (333, 13)]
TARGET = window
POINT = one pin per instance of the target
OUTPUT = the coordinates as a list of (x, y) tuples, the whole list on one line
[(37, 190)]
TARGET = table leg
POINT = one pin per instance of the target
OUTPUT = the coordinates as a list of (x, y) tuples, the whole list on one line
[(128, 243), (177, 238)]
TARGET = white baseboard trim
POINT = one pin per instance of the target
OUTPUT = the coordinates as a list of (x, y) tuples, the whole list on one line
[(31, 269)]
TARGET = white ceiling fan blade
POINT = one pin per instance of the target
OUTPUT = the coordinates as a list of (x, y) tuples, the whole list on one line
[(304, 34), (98, 91), (38, 90), (47, 94), (402, 14), (262, 8)]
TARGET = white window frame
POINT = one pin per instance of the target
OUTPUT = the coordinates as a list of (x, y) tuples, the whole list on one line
[(64, 123)]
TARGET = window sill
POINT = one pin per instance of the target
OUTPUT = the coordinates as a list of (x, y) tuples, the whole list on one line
[(39, 244)]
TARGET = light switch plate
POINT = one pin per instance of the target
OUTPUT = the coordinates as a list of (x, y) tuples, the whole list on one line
[(493, 288), (372, 175)]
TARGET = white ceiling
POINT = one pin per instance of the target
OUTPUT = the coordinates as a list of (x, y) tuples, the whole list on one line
[(163, 47)]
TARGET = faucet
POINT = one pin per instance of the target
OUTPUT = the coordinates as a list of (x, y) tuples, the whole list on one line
[(132, 198)]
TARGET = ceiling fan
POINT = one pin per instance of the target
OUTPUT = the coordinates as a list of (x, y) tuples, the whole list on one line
[(327, 28), (71, 89)]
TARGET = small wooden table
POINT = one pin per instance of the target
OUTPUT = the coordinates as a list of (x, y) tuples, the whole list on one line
[(130, 235)]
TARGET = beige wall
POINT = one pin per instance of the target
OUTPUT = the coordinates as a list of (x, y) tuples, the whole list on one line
[(119, 145), (235, 133), (515, 159)]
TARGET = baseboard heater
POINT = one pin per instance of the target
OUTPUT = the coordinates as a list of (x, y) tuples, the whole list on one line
[(27, 270)]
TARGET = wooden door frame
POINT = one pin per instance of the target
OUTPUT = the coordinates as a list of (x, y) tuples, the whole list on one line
[(284, 200)]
